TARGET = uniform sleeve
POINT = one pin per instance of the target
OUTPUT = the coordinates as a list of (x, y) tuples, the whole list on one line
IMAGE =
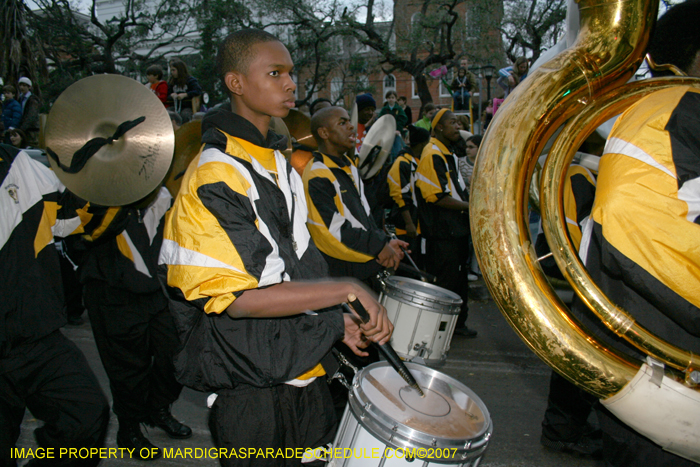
[(432, 178), (396, 184), (212, 246), (334, 229)]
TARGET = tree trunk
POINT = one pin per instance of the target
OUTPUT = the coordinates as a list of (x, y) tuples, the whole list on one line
[(423, 89)]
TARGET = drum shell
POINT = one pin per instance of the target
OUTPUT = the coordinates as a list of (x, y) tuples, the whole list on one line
[(365, 428), (424, 317)]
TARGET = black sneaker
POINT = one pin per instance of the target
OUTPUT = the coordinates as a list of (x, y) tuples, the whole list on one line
[(588, 445), (130, 437), (465, 332), (164, 420)]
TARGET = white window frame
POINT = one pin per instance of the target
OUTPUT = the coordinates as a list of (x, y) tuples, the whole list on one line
[(414, 91), (388, 88)]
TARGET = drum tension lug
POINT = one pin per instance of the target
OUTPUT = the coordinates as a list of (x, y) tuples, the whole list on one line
[(422, 349)]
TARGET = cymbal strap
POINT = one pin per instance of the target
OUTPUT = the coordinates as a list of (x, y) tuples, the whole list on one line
[(89, 149)]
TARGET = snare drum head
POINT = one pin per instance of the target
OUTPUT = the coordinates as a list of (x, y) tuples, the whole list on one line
[(422, 289), (449, 414)]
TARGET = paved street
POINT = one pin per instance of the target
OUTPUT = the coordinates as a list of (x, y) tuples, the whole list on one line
[(496, 365)]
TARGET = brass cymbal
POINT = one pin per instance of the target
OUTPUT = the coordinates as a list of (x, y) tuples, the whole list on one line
[(130, 167), (380, 135), (188, 141), (299, 126)]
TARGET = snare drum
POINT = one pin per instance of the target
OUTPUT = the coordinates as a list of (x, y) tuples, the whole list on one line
[(388, 424), (424, 317)]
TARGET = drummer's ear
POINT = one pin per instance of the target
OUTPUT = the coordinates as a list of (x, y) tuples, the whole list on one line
[(322, 132), (233, 82)]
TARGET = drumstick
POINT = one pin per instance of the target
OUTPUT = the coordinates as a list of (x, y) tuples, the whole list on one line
[(421, 273), (386, 349)]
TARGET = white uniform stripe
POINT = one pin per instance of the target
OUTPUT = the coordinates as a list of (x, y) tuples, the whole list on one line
[(25, 185), (173, 254), (423, 178), (619, 146), (156, 211), (690, 193), (139, 263)]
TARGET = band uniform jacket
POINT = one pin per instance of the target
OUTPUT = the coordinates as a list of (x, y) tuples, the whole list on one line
[(340, 219), (438, 176), (641, 244), (31, 214), (401, 179), (232, 229)]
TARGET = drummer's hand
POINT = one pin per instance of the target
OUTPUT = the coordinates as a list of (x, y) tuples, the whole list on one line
[(379, 328), (397, 245), (388, 257), (353, 335), (411, 230)]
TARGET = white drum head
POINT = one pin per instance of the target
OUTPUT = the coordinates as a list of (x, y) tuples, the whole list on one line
[(422, 294), (450, 416)]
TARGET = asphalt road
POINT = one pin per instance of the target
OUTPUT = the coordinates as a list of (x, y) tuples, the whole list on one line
[(496, 365)]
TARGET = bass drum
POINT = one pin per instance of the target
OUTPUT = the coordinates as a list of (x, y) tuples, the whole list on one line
[(424, 318), (388, 424)]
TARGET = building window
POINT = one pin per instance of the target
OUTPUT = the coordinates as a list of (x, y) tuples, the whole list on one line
[(414, 89), (389, 84)]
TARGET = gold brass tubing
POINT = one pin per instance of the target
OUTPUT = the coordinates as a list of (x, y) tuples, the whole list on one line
[(664, 67), (607, 51), (554, 222)]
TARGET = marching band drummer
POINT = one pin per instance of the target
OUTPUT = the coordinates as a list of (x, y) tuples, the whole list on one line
[(443, 211), (242, 271), (40, 368), (339, 215)]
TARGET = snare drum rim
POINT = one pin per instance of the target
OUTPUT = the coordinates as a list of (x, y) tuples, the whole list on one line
[(421, 299), (396, 435)]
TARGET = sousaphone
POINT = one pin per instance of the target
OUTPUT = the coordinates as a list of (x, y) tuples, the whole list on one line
[(577, 90), (109, 140)]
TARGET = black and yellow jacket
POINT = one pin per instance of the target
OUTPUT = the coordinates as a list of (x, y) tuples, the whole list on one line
[(579, 193), (235, 227), (339, 217), (120, 245), (437, 176), (642, 244), (401, 181), (31, 214)]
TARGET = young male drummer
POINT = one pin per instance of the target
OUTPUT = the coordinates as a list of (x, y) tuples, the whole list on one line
[(242, 271), (443, 210), (339, 215)]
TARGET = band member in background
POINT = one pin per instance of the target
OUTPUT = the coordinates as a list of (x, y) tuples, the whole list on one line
[(133, 328), (443, 212), (401, 180), (339, 215), (40, 369), (366, 108)]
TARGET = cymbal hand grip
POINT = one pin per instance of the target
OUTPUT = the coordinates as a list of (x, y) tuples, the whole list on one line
[(386, 349)]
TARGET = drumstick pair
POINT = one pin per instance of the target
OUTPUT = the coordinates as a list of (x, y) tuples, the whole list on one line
[(386, 349)]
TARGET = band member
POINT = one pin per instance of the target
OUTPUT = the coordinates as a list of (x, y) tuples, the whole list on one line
[(443, 211), (133, 328), (242, 271), (339, 215), (40, 369), (366, 108), (401, 180), (642, 243)]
